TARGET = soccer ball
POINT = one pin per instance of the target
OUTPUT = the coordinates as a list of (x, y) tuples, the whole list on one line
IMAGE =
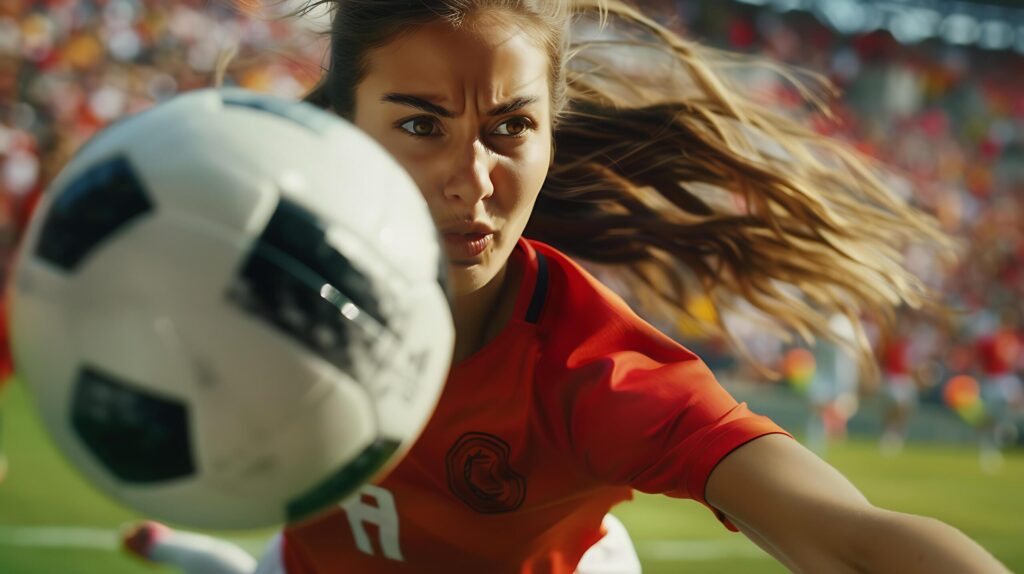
[(230, 310)]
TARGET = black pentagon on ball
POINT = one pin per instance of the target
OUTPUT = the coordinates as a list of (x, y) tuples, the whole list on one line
[(285, 280), (303, 115), (91, 208), (139, 437)]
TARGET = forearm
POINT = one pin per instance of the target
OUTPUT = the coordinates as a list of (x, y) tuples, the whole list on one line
[(807, 515), (896, 542)]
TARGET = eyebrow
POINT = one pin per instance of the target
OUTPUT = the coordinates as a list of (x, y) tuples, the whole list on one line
[(513, 105), (419, 103)]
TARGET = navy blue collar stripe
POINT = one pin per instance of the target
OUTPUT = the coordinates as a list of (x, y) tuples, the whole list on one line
[(540, 290)]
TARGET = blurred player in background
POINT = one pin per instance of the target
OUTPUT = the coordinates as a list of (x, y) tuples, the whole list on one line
[(1002, 393), (832, 392), (899, 387), (7, 242), (561, 401), (6, 369)]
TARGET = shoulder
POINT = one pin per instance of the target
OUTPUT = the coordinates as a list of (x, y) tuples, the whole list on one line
[(571, 287), (582, 319)]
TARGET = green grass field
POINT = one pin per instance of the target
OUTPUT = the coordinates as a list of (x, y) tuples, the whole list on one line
[(51, 521)]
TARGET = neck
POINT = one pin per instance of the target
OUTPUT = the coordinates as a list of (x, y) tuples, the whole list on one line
[(480, 315)]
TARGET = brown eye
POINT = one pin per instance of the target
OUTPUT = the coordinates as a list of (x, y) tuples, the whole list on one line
[(514, 127), (421, 127)]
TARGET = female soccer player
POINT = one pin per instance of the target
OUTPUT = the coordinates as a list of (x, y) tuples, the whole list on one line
[(528, 146)]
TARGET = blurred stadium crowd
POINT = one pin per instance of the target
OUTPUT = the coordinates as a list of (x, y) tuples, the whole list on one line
[(950, 118), (69, 67)]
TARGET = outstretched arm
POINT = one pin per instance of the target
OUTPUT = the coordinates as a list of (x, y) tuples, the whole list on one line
[(812, 519)]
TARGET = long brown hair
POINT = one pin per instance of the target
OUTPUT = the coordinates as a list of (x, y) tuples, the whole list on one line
[(677, 179)]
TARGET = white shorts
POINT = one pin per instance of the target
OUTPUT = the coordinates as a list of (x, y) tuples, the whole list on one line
[(1003, 395), (613, 554), (900, 389)]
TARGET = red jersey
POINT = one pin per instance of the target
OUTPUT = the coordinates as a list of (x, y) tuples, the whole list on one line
[(998, 352), (6, 361), (572, 406), (896, 357)]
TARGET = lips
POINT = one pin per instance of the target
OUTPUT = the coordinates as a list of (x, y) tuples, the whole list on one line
[(467, 245)]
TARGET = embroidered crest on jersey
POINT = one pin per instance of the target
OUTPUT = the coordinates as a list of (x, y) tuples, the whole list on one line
[(480, 475)]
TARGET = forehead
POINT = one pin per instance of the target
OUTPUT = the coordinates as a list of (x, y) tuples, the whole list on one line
[(488, 61)]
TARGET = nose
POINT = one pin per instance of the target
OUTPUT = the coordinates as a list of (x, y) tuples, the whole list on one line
[(470, 179)]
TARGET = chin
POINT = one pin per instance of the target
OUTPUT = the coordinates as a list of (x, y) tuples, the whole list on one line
[(465, 279)]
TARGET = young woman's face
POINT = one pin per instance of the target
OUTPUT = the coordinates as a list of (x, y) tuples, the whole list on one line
[(468, 113)]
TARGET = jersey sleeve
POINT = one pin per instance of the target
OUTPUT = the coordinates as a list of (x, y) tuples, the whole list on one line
[(648, 413), (288, 554)]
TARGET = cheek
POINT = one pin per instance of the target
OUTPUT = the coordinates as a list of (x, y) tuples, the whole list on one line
[(526, 176), (538, 164), (425, 172), (422, 168)]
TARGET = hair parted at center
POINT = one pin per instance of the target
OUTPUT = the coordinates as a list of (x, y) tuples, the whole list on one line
[(674, 176)]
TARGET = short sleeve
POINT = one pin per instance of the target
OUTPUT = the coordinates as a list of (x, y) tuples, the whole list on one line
[(632, 406), (653, 417), (291, 557)]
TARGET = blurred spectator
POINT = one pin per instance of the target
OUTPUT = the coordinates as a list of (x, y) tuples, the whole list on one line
[(69, 67)]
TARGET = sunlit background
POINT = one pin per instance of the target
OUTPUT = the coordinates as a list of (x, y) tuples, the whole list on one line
[(934, 88)]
